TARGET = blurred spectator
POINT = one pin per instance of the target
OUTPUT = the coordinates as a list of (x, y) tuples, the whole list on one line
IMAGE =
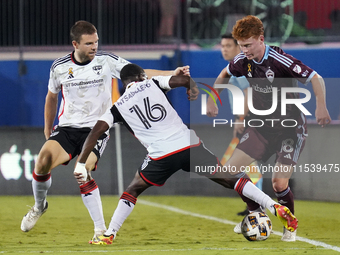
[(169, 14)]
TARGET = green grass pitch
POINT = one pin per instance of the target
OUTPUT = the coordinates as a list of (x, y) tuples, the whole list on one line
[(172, 225)]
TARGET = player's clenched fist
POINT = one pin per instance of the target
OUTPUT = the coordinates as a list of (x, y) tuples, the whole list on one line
[(183, 70)]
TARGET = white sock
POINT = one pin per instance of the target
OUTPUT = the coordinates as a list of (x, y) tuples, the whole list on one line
[(125, 206), (251, 191), (40, 185), (91, 198)]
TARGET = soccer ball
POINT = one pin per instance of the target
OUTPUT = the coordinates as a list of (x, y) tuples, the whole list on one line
[(256, 226)]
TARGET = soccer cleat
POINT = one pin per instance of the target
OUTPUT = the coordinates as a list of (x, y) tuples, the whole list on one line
[(237, 228), (288, 236), (104, 240), (97, 233), (31, 218), (286, 217)]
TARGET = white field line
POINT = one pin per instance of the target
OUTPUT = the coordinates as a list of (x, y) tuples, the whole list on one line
[(207, 217), (167, 250)]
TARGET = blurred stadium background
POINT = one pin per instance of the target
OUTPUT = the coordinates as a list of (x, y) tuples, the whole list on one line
[(162, 35)]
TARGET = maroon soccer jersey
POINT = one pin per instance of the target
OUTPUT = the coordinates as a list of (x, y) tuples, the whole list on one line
[(276, 69)]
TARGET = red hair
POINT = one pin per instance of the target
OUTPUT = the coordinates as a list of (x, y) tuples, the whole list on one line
[(249, 26)]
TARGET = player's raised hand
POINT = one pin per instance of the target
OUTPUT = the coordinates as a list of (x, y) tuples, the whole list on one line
[(80, 173), (183, 70)]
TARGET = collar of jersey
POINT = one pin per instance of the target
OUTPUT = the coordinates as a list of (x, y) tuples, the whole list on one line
[(76, 62), (130, 84), (266, 53)]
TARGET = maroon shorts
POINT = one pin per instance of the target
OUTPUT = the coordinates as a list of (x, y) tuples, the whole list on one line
[(286, 145)]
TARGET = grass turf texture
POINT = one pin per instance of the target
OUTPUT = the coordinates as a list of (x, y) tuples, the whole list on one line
[(66, 228)]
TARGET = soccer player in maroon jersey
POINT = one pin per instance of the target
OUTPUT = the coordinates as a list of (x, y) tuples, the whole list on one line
[(268, 68)]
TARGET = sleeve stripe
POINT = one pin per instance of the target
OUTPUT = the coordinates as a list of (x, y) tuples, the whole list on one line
[(103, 53), (238, 57), (60, 61), (280, 58)]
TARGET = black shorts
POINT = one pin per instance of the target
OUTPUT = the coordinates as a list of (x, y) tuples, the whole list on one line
[(73, 139), (156, 172)]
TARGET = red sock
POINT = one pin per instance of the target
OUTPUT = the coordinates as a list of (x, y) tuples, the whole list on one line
[(251, 205)]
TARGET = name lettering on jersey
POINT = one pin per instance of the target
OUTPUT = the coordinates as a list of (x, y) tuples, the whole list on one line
[(130, 94), (270, 75), (97, 69), (70, 73)]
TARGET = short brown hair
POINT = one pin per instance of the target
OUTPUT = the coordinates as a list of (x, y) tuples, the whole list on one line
[(80, 28), (247, 27)]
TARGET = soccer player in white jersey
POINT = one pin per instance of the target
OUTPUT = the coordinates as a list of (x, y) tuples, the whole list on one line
[(84, 78), (145, 110), (267, 67)]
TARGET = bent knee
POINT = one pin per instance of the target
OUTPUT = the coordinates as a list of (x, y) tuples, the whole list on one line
[(279, 185), (44, 162)]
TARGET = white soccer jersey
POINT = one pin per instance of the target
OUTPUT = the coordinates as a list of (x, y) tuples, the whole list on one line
[(146, 112), (85, 87)]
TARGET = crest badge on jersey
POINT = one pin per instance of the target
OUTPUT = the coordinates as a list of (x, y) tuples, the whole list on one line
[(270, 75), (97, 69)]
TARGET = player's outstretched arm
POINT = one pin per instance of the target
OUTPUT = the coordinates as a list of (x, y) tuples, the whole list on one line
[(51, 105), (321, 113), (187, 82), (91, 140), (183, 70), (80, 172), (222, 78)]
